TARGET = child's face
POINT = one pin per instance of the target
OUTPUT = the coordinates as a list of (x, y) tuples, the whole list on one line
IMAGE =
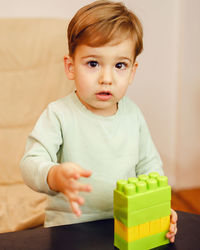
[(102, 75)]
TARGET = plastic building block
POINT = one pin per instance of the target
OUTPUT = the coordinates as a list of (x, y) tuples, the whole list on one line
[(142, 244), (142, 212), (142, 230)]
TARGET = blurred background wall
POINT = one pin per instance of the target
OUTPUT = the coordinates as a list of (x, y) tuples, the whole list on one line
[(167, 84)]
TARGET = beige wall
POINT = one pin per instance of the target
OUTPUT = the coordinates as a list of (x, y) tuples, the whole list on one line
[(188, 134), (154, 89), (167, 84)]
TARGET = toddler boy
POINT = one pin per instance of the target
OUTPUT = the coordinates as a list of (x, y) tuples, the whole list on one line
[(89, 139)]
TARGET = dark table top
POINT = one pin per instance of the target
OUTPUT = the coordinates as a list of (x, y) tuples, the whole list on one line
[(96, 235)]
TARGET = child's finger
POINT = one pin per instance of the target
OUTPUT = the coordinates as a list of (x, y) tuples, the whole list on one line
[(75, 171), (170, 236), (70, 172), (76, 209), (74, 186), (84, 187), (83, 172), (172, 228), (175, 231), (172, 233), (74, 197), (174, 216), (172, 239), (86, 173)]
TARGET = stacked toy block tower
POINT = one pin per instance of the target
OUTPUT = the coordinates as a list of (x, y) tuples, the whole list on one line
[(142, 208)]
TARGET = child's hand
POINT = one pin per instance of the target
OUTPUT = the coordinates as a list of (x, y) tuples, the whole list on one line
[(64, 178), (173, 226)]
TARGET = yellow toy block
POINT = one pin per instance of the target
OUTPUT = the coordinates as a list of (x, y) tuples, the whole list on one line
[(165, 223), (128, 234), (144, 230), (155, 226)]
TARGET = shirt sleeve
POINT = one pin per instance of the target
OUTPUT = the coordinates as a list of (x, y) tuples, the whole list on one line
[(149, 159), (41, 151)]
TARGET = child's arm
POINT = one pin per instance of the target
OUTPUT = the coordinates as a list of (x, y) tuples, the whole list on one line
[(40, 167), (64, 178), (173, 226), (41, 152)]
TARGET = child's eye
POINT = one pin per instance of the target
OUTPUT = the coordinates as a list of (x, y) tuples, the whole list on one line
[(121, 65), (93, 64)]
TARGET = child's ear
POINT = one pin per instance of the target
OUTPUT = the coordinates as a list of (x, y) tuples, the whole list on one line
[(69, 67), (135, 66)]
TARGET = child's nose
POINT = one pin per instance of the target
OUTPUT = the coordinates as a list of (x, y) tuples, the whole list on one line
[(106, 77)]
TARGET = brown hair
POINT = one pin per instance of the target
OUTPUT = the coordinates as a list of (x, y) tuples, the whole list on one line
[(102, 21)]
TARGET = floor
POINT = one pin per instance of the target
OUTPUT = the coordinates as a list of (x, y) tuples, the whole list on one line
[(186, 200)]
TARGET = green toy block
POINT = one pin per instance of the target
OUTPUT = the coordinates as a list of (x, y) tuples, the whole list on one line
[(146, 243), (143, 215), (134, 196)]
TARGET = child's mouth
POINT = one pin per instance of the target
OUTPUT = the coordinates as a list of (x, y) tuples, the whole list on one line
[(104, 95)]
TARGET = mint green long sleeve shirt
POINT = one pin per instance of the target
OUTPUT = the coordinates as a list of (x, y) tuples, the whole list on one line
[(114, 147)]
